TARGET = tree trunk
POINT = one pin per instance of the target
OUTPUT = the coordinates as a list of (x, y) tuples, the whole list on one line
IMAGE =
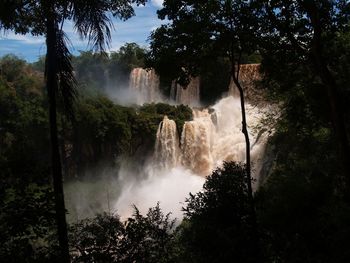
[(51, 86), (245, 132), (256, 242)]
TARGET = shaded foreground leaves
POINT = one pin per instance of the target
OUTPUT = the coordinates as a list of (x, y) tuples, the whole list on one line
[(139, 239)]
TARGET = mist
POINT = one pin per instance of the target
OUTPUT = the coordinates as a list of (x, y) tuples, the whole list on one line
[(116, 191), (169, 187)]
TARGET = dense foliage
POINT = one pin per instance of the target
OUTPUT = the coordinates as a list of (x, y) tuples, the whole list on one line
[(100, 133), (218, 225), (302, 207), (139, 239), (101, 72)]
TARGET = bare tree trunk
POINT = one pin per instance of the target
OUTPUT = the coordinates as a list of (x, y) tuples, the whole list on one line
[(235, 78), (51, 86), (245, 132)]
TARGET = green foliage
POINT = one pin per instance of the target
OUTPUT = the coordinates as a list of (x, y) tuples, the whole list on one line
[(26, 208), (26, 221), (302, 219), (198, 32), (148, 237), (23, 122), (304, 60), (215, 80), (103, 130), (131, 56), (99, 73), (39, 65), (90, 69), (300, 207), (97, 239), (139, 239), (217, 225), (179, 114)]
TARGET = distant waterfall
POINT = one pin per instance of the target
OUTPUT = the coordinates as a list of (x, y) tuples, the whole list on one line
[(212, 137), (145, 85), (186, 95)]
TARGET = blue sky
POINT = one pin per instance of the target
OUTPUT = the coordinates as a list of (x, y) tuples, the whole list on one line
[(136, 29)]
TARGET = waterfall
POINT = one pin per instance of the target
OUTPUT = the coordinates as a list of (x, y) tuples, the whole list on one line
[(167, 144), (181, 161), (196, 143), (186, 95), (212, 137), (145, 85)]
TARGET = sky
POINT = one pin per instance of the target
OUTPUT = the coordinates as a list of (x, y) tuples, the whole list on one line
[(136, 29)]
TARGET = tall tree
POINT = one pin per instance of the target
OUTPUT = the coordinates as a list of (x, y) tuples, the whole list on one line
[(200, 30), (305, 28), (91, 20)]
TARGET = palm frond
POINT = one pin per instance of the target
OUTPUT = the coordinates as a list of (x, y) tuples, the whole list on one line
[(92, 19), (65, 74), (92, 22)]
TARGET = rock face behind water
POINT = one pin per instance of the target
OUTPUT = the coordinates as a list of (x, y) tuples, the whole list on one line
[(249, 78)]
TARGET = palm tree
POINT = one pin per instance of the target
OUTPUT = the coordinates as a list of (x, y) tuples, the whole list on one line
[(42, 17)]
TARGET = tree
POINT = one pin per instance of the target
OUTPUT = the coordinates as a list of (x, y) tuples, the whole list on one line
[(198, 31), (303, 31), (46, 18), (217, 226), (131, 56), (141, 238)]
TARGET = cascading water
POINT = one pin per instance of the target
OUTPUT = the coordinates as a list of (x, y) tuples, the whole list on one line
[(167, 144), (214, 136), (197, 142), (186, 95), (145, 84)]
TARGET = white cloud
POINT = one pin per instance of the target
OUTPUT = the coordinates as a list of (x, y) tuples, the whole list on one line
[(158, 3), (136, 29), (27, 39)]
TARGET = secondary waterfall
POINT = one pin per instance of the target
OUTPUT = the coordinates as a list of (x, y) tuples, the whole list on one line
[(145, 84), (186, 95)]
